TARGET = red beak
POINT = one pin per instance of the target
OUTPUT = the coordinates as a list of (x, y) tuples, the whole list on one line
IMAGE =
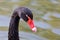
[(31, 24)]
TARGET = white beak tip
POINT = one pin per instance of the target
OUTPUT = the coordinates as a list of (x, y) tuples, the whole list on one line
[(34, 29)]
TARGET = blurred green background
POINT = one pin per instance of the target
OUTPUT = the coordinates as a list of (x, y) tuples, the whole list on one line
[(46, 16)]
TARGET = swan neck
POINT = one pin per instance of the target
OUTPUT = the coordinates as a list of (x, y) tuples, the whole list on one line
[(13, 28)]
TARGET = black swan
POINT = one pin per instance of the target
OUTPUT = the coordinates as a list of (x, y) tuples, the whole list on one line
[(18, 13)]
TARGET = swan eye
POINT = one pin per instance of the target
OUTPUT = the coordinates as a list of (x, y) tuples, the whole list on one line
[(24, 17)]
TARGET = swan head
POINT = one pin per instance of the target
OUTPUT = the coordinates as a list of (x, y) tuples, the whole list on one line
[(27, 16)]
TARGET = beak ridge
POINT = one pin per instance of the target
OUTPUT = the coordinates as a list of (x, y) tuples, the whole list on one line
[(31, 24)]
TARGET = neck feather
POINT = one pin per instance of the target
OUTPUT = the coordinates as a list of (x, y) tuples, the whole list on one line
[(13, 28)]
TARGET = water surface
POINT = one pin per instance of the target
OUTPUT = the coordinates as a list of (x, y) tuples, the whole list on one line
[(22, 35)]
